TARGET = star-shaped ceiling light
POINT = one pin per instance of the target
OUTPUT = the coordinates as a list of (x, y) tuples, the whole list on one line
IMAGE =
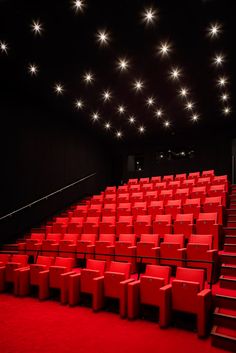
[(3, 47), (36, 27)]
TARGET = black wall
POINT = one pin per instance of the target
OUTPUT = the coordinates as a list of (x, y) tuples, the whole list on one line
[(40, 153)]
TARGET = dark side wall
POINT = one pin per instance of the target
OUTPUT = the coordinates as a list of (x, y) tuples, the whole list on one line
[(210, 152), (41, 153)]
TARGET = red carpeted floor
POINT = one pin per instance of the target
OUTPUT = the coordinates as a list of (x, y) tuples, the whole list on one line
[(30, 326)]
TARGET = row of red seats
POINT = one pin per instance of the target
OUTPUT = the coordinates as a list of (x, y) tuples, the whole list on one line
[(186, 292), (150, 248)]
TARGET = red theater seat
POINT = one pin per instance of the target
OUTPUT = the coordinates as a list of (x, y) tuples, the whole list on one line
[(26, 277), (172, 251), (91, 225), (134, 188), (214, 204), (168, 178), (97, 200), (188, 184), (165, 195), (147, 187), (184, 225), (194, 175), (113, 285), (132, 181), (181, 177), (75, 225), (199, 192), (67, 246), (81, 211), (207, 224), (147, 247), (33, 245), (150, 196), (192, 206), (221, 180), (83, 282), (188, 295), (149, 290), (4, 258), (51, 278), (200, 248), (104, 247), (95, 210), (122, 189), (7, 271), (110, 190), (208, 173), (143, 181), (123, 209), (85, 246), (162, 225), (109, 210), (125, 249), (173, 207), (218, 190), (136, 197), (174, 185), (155, 208), (181, 194), (160, 186), (206, 181), (143, 224), (107, 225), (124, 225), (156, 179), (50, 245), (139, 208), (110, 199), (123, 197)]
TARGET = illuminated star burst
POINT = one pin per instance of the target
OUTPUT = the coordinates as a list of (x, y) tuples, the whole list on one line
[(3, 47), (218, 60), (33, 69), (106, 96), (164, 49), (214, 30), (103, 37), (149, 16), (138, 85), (175, 73), (78, 5), (121, 109), (59, 89), (88, 77), (123, 64), (37, 27), (79, 104)]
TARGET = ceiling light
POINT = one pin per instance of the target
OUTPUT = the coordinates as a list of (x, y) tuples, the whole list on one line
[(118, 134), (107, 126), (218, 59), (121, 109), (138, 85), (33, 69), (214, 30), (132, 119), (78, 5), (103, 37), (95, 116), (222, 81), (37, 27), (106, 95), (195, 117), (123, 64), (158, 113), (150, 101), (59, 89), (183, 92), (3, 47), (141, 129), (224, 97), (149, 15), (189, 105), (175, 73), (164, 49), (166, 123), (88, 77), (79, 104), (227, 110)]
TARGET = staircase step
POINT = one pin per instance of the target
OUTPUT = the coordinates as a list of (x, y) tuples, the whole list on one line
[(231, 218), (231, 224), (228, 257), (223, 337), (228, 282), (230, 247), (231, 211), (225, 317), (226, 301), (228, 270), (230, 239), (230, 230)]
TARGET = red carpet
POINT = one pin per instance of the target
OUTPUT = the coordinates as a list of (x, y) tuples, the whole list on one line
[(29, 326)]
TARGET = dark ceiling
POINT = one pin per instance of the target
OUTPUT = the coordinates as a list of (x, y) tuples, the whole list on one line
[(68, 47)]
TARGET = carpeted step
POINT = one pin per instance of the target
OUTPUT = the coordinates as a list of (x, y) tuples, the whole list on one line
[(230, 247), (231, 218), (229, 230), (231, 224), (223, 337), (231, 239), (225, 317), (228, 270), (231, 211), (228, 257), (228, 282), (226, 300)]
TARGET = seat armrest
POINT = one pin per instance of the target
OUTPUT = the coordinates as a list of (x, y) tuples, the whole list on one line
[(123, 296), (165, 305), (98, 295)]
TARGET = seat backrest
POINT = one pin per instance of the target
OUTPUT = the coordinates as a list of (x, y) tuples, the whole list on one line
[(220, 187), (176, 203), (109, 219), (5, 258), (163, 218), (110, 189), (37, 236), (94, 220), (78, 220), (136, 194), (110, 197), (88, 237), (64, 261), (204, 181), (96, 265), (206, 173), (151, 194), (165, 193), (206, 239), (109, 206), (184, 191), (156, 179), (133, 181), (144, 180), (192, 202), (182, 176), (122, 267), (54, 236), (131, 238), (61, 220), (174, 184), (126, 219), (150, 238), (160, 185), (190, 275), (124, 206), (22, 259), (168, 178), (159, 271), (134, 188), (174, 239), (81, 208), (144, 218), (216, 200), (45, 260), (188, 183), (207, 217), (107, 237), (156, 204), (220, 179), (142, 204), (199, 189), (193, 175), (97, 207), (185, 217), (71, 237), (122, 189)]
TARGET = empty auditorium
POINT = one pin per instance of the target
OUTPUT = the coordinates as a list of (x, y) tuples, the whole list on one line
[(118, 176)]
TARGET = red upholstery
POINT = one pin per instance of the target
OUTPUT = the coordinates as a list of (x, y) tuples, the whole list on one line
[(174, 185), (133, 181), (184, 225), (75, 225), (148, 246), (150, 196), (136, 197), (113, 285), (83, 282), (26, 277), (124, 225), (156, 179), (139, 208), (123, 197), (50, 245), (173, 207), (192, 206), (97, 200), (134, 188), (208, 173), (86, 246), (172, 248), (110, 190), (81, 211), (91, 225), (214, 204), (168, 178), (190, 183), (207, 224), (162, 225), (59, 227), (218, 190), (194, 175), (7, 271), (160, 186), (155, 208), (143, 181), (104, 247), (109, 209), (125, 249), (198, 192), (122, 189), (107, 225), (110, 198), (166, 195), (123, 209), (32, 245), (181, 177), (143, 224), (221, 180), (95, 210), (181, 194), (4, 258), (200, 248), (67, 246), (148, 291), (189, 295), (147, 187)]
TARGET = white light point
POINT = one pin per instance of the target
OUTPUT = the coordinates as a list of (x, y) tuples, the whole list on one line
[(123, 64), (59, 89), (107, 126), (103, 37), (121, 109), (150, 101), (118, 134), (33, 69), (189, 105), (37, 27), (149, 15), (175, 73), (138, 85), (79, 104), (159, 113), (214, 30), (78, 5), (183, 92), (226, 110), (88, 77), (3, 47), (95, 116), (218, 60), (222, 81), (141, 129), (166, 123), (224, 97), (132, 119), (106, 96), (195, 117), (164, 49)]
